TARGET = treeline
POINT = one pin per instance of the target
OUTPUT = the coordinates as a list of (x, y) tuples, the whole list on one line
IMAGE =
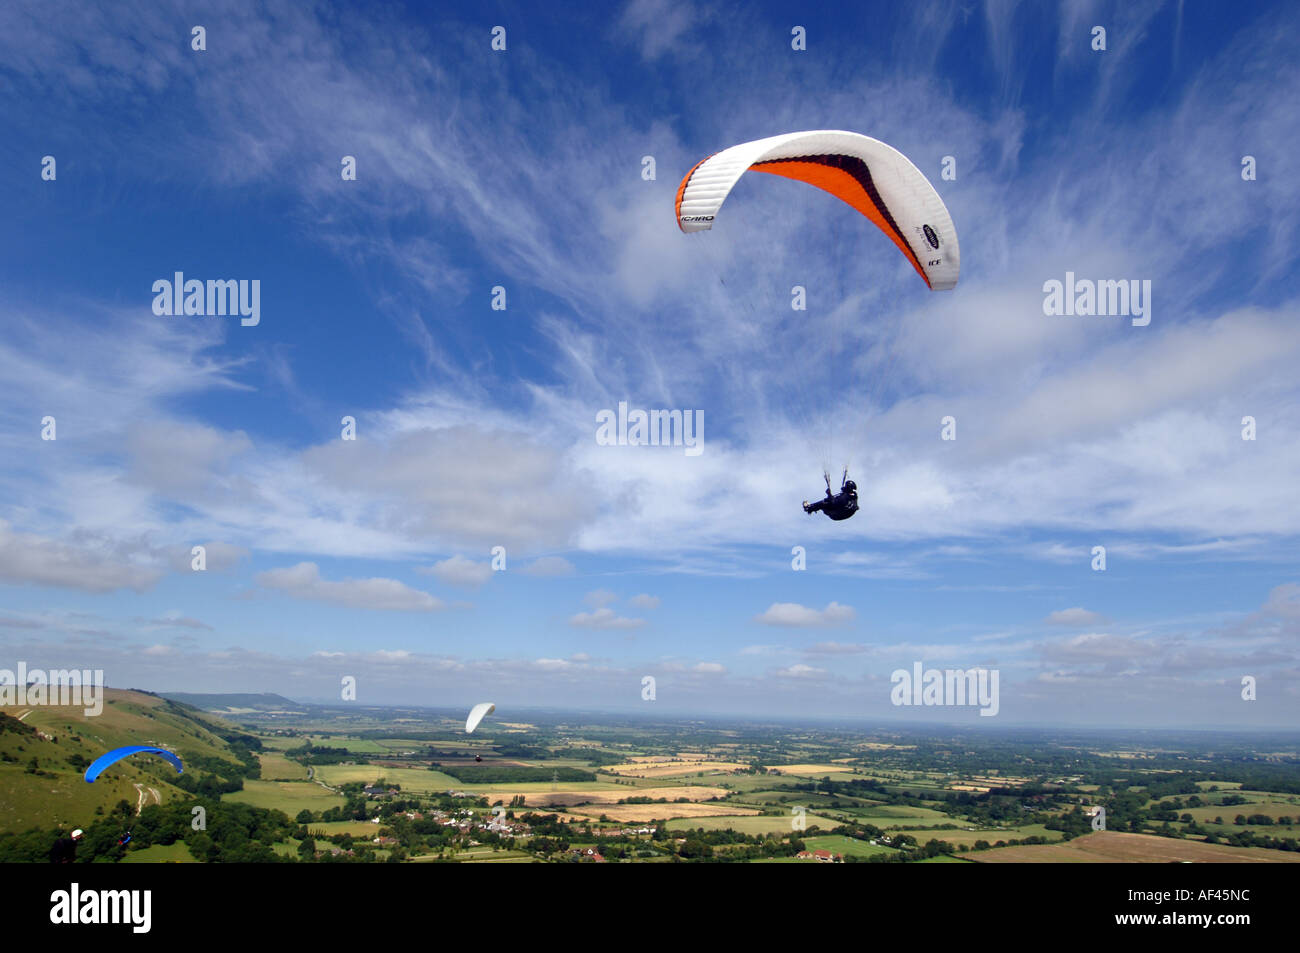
[(494, 774), (320, 754), (1283, 778), (236, 833), (219, 776), (9, 723)]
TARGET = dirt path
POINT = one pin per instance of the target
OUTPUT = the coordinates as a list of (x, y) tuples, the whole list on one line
[(25, 714), (139, 802)]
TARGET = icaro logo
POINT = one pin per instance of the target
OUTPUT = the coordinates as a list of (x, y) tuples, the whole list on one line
[(930, 236), (697, 218)]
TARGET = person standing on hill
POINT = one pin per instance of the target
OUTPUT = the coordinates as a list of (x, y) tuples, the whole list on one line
[(64, 850)]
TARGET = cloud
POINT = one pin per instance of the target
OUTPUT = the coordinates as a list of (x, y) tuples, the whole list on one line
[(176, 619), (836, 648), (604, 619), (710, 668), (460, 571), (14, 623), (1097, 647), (304, 581), (1284, 601), (1075, 616), (765, 650), (600, 597), (217, 556), (183, 460), (91, 566), (658, 26), (799, 671), (644, 601), (794, 615), (550, 566)]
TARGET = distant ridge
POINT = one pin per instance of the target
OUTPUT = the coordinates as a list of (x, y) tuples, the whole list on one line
[(225, 702)]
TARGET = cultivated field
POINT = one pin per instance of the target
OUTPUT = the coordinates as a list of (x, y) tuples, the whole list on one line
[(638, 769), (763, 824), (1113, 847), (811, 770)]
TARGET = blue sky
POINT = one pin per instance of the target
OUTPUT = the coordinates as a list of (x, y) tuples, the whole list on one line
[(476, 427)]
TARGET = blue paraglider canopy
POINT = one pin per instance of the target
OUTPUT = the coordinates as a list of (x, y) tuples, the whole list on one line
[(117, 754)]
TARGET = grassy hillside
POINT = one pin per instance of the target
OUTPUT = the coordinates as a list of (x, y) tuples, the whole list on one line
[(234, 701), (44, 752)]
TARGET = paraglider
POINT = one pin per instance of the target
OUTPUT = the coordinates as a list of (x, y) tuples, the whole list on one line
[(871, 177), (117, 754), (476, 715), (838, 506)]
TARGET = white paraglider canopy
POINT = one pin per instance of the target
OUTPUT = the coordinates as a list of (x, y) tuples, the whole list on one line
[(476, 714)]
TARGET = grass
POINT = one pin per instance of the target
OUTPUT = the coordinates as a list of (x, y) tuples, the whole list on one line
[(414, 780), (355, 828), (61, 796), (176, 853), (288, 796), (276, 767), (945, 859), (959, 837), (839, 844)]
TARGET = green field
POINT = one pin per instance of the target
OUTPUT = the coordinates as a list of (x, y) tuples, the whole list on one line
[(176, 853), (486, 855), (416, 780), (945, 859), (959, 837), (276, 767), (839, 844), (900, 815), (359, 745), (332, 828), (288, 796)]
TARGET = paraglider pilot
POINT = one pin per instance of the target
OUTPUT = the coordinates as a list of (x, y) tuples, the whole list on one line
[(64, 850), (838, 506)]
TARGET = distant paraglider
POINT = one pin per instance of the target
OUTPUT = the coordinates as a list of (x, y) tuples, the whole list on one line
[(98, 766), (476, 714)]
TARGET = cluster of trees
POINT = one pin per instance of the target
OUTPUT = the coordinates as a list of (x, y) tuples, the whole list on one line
[(320, 754), (502, 774), (208, 776), (236, 833)]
